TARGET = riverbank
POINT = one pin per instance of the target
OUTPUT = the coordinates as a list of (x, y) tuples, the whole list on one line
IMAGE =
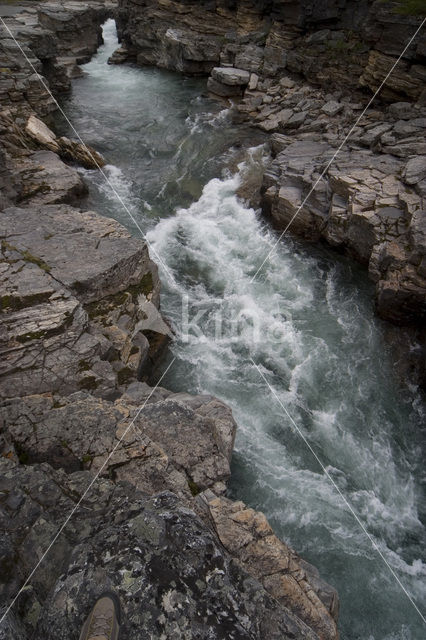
[(73, 344)]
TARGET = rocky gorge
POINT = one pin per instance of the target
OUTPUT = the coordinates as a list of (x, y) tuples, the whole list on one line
[(369, 202), (157, 525)]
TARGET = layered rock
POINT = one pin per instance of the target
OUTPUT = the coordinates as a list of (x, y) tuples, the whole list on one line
[(68, 323), (336, 44)]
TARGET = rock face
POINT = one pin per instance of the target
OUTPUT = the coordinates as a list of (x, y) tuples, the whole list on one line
[(55, 36), (137, 473), (336, 44), (247, 535), (153, 456), (67, 323), (173, 577)]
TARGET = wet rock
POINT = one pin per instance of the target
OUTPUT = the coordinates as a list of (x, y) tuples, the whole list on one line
[(224, 90), (119, 56)]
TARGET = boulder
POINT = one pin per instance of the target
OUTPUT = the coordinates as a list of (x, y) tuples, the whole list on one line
[(230, 76), (224, 90), (332, 108), (41, 134), (415, 170), (68, 149)]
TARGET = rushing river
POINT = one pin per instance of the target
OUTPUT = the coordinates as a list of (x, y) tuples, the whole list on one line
[(307, 321)]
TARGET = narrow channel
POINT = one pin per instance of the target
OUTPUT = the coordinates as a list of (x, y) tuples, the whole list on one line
[(307, 321)]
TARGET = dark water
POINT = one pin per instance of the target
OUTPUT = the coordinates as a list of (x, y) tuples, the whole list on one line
[(307, 322)]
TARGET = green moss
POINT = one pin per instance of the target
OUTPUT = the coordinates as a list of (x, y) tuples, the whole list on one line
[(84, 365), (409, 7), (15, 303), (102, 307), (29, 257), (107, 304), (124, 375), (145, 286), (6, 302), (87, 458), (26, 255), (31, 335), (193, 487), (89, 383)]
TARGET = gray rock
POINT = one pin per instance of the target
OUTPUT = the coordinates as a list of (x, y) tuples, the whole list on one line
[(231, 76), (224, 90), (172, 575), (332, 108), (79, 431), (415, 170), (61, 313)]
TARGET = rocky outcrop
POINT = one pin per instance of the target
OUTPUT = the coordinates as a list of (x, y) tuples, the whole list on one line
[(43, 137), (247, 535), (67, 322), (153, 456), (335, 44), (368, 202), (171, 573), (55, 37)]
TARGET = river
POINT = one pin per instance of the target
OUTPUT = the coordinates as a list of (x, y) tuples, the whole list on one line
[(306, 323)]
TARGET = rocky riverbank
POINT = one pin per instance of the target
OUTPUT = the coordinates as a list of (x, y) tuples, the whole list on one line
[(303, 72), (76, 339)]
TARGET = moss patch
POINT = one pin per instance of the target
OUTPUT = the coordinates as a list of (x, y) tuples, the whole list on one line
[(89, 383), (125, 375), (15, 303), (145, 286), (193, 487), (84, 365)]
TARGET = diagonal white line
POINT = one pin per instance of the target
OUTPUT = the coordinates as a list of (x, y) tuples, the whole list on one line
[(74, 509), (107, 180), (338, 150), (345, 500)]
